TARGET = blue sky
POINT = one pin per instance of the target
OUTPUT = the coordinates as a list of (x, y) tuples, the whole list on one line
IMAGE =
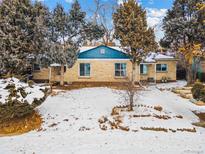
[(86, 4), (156, 10)]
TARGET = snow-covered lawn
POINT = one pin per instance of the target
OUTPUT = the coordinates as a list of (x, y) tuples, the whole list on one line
[(71, 125)]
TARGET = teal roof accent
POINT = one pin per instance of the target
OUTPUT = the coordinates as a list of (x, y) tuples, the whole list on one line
[(102, 52)]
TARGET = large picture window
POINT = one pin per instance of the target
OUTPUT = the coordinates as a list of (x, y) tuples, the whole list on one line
[(161, 68), (120, 69), (143, 69), (84, 69)]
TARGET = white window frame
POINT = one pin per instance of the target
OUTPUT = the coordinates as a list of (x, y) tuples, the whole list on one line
[(85, 70), (121, 70), (161, 68)]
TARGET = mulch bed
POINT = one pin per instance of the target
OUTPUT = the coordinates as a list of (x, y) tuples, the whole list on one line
[(80, 85), (21, 125)]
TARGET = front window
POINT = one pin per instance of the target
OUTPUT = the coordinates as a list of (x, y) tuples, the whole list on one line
[(143, 69), (36, 67), (120, 69), (161, 68), (84, 69)]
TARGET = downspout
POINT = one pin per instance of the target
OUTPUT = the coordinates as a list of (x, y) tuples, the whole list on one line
[(155, 65), (139, 75), (49, 77)]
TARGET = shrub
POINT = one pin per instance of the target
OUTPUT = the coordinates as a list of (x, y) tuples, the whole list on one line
[(30, 83), (16, 104), (196, 90)]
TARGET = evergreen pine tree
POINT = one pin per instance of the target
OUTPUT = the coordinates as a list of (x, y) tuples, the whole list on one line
[(184, 31), (68, 33), (134, 35), (21, 35), (15, 17)]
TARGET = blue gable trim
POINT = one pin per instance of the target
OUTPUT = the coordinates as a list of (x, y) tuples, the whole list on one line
[(109, 53)]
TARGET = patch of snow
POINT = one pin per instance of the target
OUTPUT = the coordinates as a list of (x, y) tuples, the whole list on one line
[(73, 110), (32, 92), (55, 65), (86, 48), (152, 57)]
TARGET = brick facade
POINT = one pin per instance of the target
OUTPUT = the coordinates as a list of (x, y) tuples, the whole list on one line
[(104, 71)]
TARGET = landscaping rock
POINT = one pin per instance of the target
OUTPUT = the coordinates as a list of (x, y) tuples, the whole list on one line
[(158, 108), (200, 103)]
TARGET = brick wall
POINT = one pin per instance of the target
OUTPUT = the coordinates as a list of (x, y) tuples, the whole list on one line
[(101, 71), (104, 71)]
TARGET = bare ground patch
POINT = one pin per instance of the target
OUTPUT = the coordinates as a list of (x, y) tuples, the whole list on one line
[(201, 123), (21, 125)]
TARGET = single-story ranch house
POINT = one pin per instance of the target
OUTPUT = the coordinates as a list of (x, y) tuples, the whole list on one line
[(109, 64)]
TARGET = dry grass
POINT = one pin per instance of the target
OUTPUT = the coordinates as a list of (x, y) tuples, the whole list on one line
[(164, 117), (159, 129), (155, 129), (158, 108), (179, 116), (21, 125), (201, 116), (80, 85), (201, 123), (124, 128), (193, 130), (142, 115), (117, 109)]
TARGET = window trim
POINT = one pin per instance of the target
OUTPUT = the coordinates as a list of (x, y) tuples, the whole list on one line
[(161, 71), (84, 76), (120, 70)]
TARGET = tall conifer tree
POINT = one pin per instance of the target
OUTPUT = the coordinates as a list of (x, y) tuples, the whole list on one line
[(133, 33), (185, 33), (21, 34), (68, 33)]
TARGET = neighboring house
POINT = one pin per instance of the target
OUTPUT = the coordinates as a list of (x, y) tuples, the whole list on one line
[(110, 65), (201, 71), (202, 66)]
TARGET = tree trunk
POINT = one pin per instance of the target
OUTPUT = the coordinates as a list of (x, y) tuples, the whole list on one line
[(62, 76), (189, 75), (132, 87), (51, 87), (131, 101), (9, 74), (133, 73)]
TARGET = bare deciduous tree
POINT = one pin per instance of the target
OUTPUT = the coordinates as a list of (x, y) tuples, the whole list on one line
[(101, 15)]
